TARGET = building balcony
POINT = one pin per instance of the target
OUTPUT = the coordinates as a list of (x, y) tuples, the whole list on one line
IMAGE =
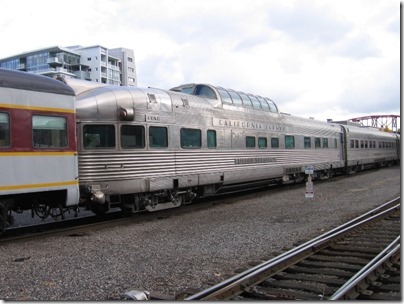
[(54, 61), (82, 75), (113, 67)]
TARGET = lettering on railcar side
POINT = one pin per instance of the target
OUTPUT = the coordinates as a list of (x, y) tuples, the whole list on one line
[(232, 123), (254, 160), (153, 118)]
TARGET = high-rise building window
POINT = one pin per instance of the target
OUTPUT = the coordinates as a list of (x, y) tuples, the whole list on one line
[(37, 62)]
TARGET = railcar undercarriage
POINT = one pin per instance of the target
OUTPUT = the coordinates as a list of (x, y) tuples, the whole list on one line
[(42, 205), (100, 203)]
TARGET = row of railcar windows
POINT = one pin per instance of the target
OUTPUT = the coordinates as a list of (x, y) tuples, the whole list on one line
[(371, 144), (235, 98), (133, 137), (47, 131)]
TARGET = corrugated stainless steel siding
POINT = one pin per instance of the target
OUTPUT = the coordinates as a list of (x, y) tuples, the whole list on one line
[(115, 165), (146, 164)]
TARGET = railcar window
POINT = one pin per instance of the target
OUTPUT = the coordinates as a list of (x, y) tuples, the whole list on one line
[(49, 131), (236, 98), (262, 142), (356, 143), (191, 138), (362, 144), (211, 135), (158, 137), (225, 96), (98, 136), (132, 137), (250, 141), (264, 104), (205, 91), (274, 142), (289, 141), (246, 101), (255, 102), (335, 143), (272, 105), (366, 143), (352, 144), (4, 130), (325, 143), (317, 142), (307, 142)]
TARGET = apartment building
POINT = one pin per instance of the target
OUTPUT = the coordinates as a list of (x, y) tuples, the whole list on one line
[(93, 63)]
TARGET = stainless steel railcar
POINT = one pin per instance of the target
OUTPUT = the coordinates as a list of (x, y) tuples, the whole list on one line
[(38, 157), (369, 147), (150, 149)]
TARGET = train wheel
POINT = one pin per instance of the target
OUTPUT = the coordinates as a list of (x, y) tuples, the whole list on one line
[(99, 209), (178, 200)]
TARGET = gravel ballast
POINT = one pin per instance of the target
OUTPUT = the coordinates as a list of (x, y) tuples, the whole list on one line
[(189, 249)]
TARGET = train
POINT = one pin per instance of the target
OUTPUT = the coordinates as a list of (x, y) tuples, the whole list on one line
[(67, 143)]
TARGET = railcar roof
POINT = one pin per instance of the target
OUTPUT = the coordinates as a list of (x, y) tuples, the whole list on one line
[(32, 82), (228, 96)]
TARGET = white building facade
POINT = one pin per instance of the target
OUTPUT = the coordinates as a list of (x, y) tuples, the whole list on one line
[(93, 63)]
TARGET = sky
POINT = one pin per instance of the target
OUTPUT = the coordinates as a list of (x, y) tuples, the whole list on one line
[(324, 59)]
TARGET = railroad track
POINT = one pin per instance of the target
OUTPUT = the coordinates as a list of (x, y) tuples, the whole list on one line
[(358, 260)]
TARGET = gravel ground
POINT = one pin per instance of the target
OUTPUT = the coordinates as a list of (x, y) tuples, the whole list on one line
[(189, 249)]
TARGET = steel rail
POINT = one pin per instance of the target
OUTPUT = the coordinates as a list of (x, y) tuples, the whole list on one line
[(236, 284), (360, 278)]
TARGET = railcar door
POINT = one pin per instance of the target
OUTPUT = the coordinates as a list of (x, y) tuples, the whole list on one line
[(398, 147), (344, 145)]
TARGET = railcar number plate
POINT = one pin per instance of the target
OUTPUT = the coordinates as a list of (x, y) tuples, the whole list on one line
[(309, 170)]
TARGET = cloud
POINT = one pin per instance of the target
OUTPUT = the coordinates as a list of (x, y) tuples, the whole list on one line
[(308, 23), (357, 47), (314, 58)]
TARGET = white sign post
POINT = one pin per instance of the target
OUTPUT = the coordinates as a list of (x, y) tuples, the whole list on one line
[(309, 184)]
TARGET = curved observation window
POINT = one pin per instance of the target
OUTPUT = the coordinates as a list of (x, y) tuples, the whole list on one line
[(246, 101), (225, 96), (255, 102), (264, 104), (205, 91), (236, 98)]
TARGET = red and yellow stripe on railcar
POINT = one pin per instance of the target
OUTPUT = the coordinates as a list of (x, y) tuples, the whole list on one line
[(25, 168)]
